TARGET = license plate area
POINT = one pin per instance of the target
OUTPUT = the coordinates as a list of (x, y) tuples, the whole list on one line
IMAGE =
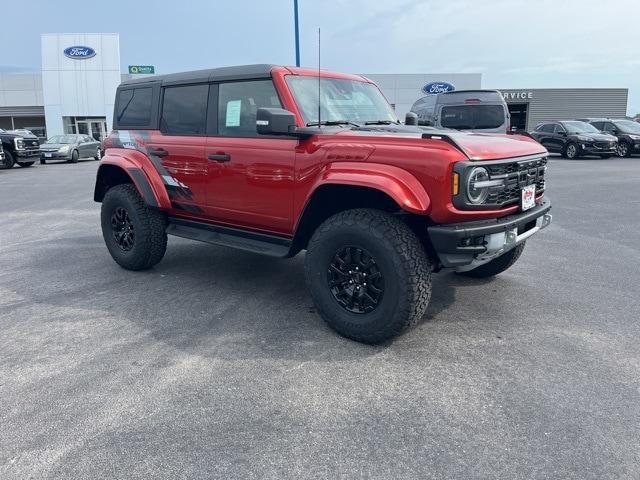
[(528, 197), (47, 155)]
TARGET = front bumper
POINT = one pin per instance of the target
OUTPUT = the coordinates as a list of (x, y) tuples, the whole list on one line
[(55, 156), (468, 245), (31, 154), (592, 149)]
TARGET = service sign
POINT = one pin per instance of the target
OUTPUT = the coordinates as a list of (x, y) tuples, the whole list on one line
[(78, 52), (434, 88)]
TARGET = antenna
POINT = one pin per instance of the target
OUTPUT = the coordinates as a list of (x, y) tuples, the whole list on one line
[(319, 124)]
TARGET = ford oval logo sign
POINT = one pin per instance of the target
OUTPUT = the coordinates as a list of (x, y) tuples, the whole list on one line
[(79, 53), (434, 88)]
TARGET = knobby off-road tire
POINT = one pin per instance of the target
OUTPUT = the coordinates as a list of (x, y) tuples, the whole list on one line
[(497, 265), (134, 234), (376, 243)]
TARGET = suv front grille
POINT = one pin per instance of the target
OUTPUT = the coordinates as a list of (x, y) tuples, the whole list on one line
[(512, 175), (517, 175)]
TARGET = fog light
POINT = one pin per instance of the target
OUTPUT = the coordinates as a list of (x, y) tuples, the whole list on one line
[(465, 242), (546, 220), (511, 236)]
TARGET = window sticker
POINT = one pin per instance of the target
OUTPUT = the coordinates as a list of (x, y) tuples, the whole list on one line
[(233, 113)]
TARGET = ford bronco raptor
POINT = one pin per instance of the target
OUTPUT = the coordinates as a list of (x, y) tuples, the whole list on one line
[(275, 160)]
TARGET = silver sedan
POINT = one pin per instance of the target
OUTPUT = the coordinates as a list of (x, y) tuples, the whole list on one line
[(70, 147)]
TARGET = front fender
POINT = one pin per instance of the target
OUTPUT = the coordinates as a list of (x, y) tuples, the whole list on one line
[(397, 183), (142, 174)]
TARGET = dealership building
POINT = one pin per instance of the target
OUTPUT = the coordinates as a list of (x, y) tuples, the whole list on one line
[(75, 91)]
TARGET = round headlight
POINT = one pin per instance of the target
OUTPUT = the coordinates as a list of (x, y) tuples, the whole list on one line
[(477, 194)]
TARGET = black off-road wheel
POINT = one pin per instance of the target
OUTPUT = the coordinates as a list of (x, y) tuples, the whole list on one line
[(134, 234), (497, 265), (8, 161), (368, 274), (25, 164)]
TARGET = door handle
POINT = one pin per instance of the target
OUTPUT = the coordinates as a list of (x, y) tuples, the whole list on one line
[(219, 157), (160, 152)]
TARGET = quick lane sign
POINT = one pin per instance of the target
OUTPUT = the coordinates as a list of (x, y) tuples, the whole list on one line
[(142, 69)]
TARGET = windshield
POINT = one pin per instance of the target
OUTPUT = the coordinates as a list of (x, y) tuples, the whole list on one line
[(62, 139), (580, 127), (628, 126), (470, 117), (340, 99)]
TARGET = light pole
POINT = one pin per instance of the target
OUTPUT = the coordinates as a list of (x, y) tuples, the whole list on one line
[(297, 32)]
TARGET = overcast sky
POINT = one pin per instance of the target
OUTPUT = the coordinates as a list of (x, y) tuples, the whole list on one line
[(513, 43)]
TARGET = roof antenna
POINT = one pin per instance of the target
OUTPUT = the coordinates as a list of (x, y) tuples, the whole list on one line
[(319, 123)]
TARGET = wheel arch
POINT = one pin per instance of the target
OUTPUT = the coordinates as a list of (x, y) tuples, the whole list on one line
[(116, 170), (364, 186)]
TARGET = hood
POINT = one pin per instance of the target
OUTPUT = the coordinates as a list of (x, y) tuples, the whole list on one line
[(476, 146)]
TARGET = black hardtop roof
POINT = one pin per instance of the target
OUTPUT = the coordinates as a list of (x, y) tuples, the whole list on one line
[(241, 72)]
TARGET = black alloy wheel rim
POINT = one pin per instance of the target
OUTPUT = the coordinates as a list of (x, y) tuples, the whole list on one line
[(122, 228), (355, 280)]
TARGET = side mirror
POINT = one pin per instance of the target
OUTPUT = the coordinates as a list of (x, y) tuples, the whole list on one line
[(411, 119), (275, 121)]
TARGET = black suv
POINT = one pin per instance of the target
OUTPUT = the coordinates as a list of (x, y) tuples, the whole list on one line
[(573, 138), (627, 131), (22, 148)]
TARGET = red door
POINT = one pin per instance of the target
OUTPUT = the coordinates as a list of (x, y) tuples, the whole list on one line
[(182, 163), (250, 182), (250, 179)]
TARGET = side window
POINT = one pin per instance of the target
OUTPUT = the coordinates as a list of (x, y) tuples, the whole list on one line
[(184, 110), (609, 127), (134, 107), (598, 125), (559, 128), (547, 128), (87, 138), (238, 103)]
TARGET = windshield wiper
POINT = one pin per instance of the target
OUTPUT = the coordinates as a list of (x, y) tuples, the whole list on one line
[(331, 123), (381, 122)]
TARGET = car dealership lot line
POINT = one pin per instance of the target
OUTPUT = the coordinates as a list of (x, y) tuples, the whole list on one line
[(214, 364)]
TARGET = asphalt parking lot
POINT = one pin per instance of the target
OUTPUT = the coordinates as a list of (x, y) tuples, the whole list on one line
[(215, 365)]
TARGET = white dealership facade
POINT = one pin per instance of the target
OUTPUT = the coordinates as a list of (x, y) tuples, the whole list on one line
[(75, 90)]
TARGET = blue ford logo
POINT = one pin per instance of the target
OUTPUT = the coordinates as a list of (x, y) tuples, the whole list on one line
[(79, 52), (434, 88)]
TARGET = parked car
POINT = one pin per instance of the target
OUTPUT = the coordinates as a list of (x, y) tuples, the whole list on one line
[(626, 131), (573, 138), (21, 148), (70, 147), (253, 157), (472, 110)]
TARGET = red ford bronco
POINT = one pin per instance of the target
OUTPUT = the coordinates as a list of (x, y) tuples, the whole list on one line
[(275, 160)]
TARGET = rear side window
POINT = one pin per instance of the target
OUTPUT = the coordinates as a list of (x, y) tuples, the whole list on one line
[(238, 104), (598, 125), (547, 127), (134, 107), (472, 116), (184, 110), (559, 128)]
